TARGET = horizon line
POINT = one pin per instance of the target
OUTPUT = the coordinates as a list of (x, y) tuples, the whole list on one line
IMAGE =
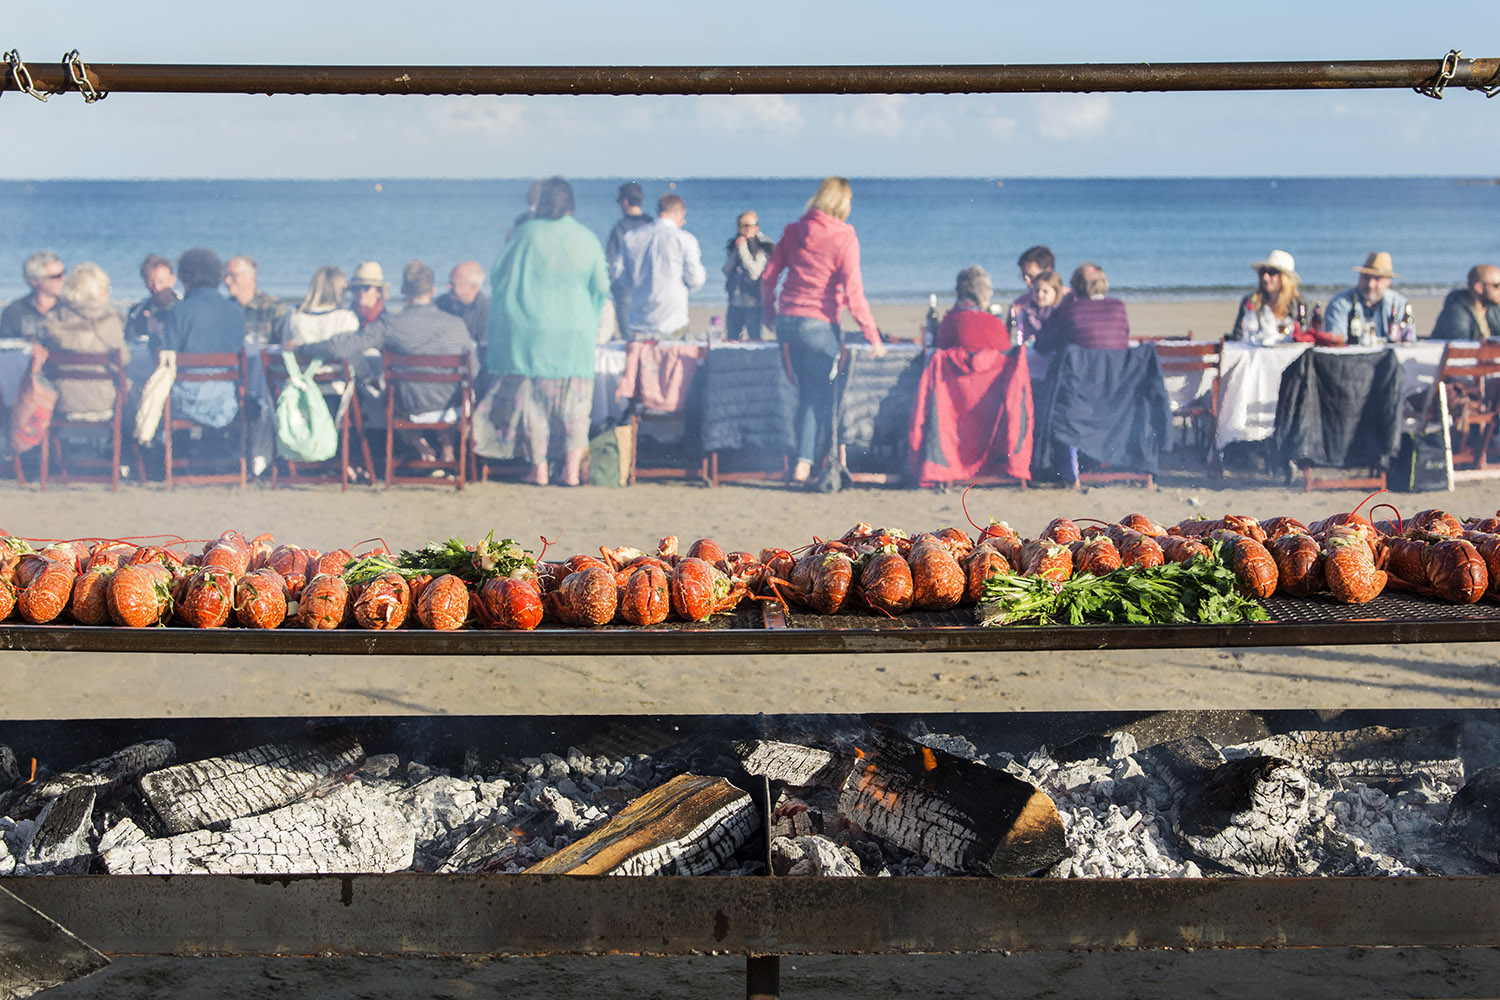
[(382, 178)]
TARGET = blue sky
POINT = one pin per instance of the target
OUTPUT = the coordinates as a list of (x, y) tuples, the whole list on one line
[(1316, 133)]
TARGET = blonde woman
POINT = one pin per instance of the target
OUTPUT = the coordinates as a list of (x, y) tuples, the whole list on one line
[(1271, 314), (83, 321), (816, 263), (322, 314)]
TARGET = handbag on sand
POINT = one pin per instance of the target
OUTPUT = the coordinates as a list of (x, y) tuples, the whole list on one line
[(305, 431), (154, 397), (32, 414)]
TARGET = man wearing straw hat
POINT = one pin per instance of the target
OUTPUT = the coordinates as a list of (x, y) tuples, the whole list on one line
[(1370, 307)]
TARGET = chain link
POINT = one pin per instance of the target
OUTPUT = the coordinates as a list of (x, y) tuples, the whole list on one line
[(22, 76), (1434, 88), (79, 74)]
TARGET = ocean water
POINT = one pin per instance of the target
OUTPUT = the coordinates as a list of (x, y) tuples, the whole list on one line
[(1165, 237)]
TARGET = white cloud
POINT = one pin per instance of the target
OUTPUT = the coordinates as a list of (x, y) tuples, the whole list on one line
[(1071, 116), (881, 115), (749, 112), (496, 117)]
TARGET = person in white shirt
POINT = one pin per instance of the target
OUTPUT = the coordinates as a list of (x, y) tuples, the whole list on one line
[(661, 263)]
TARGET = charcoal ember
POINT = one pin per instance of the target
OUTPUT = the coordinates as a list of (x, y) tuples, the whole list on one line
[(1474, 815), (1247, 815), (1221, 726), (793, 763), (491, 848), (687, 826), (60, 842), (123, 765), (381, 765), (356, 827), (211, 792), (958, 746), (958, 813), (814, 856), (810, 811)]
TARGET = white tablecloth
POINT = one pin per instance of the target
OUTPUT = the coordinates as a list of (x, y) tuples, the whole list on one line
[(1250, 378)]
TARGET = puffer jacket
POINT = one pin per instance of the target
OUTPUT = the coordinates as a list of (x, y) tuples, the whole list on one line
[(88, 328)]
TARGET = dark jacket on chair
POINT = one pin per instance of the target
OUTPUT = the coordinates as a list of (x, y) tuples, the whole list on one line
[(1111, 405), (1340, 410)]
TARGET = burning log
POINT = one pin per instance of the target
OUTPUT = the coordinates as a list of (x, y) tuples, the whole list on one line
[(355, 828), (208, 792), (1243, 814), (961, 814), (687, 826), (60, 845), (10, 771), (1474, 816)]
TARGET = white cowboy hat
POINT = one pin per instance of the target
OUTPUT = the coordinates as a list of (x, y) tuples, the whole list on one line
[(1278, 260)]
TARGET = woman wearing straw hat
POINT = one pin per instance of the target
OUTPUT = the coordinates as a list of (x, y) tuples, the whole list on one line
[(369, 288), (1370, 308), (1272, 314)]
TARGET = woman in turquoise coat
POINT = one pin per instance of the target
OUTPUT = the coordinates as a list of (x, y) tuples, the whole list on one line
[(548, 288)]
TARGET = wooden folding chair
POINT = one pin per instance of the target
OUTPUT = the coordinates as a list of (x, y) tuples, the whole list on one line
[(77, 366), (193, 369), (1201, 415), (428, 369), (1472, 369), (334, 468)]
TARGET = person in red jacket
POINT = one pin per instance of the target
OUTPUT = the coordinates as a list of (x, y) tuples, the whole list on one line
[(969, 324), (816, 263)]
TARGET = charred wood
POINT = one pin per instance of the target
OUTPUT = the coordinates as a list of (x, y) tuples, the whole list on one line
[(10, 771), (354, 828), (687, 826), (793, 763), (203, 793), (812, 856), (961, 814), (121, 766), (1474, 816), (1247, 816), (60, 845), (1372, 754)]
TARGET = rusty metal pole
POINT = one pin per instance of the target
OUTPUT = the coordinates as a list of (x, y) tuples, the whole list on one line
[(763, 977), (1453, 71)]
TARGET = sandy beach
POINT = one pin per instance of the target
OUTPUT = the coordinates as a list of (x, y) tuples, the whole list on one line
[(52, 686)]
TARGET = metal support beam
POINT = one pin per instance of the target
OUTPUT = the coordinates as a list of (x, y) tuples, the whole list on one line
[(581, 915), (620, 80)]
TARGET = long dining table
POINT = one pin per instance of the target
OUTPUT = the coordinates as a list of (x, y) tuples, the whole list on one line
[(1250, 380)]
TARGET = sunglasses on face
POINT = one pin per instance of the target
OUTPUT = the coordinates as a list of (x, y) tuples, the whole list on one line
[(1266, 271), (54, 277)]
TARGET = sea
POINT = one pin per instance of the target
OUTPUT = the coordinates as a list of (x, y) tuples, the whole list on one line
[(1156, 238)]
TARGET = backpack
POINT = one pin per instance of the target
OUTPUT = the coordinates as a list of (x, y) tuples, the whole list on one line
[(32, 414), (305, 431)]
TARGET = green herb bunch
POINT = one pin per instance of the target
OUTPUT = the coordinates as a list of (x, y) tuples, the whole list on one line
[(487, 560), (1199, 590)]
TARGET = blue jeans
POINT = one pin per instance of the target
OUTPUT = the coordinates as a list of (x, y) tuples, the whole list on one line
[(814, 346)]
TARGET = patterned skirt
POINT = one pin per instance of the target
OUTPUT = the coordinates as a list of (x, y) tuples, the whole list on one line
[(538, 419)]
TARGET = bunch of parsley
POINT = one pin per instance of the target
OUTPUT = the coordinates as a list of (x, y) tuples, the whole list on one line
[(1199, 590)]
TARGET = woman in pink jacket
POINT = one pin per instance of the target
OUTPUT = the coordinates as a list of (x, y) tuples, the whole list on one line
[(818, 256)]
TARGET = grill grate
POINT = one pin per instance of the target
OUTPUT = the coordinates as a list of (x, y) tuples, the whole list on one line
[(961, 617), (1386, 607)]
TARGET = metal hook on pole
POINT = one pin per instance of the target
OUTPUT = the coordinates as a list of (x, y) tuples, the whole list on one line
[(1434, 87), (22, 76), (78, 75)]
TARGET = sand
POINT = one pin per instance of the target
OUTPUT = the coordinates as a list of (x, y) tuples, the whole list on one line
[(49, 686)]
